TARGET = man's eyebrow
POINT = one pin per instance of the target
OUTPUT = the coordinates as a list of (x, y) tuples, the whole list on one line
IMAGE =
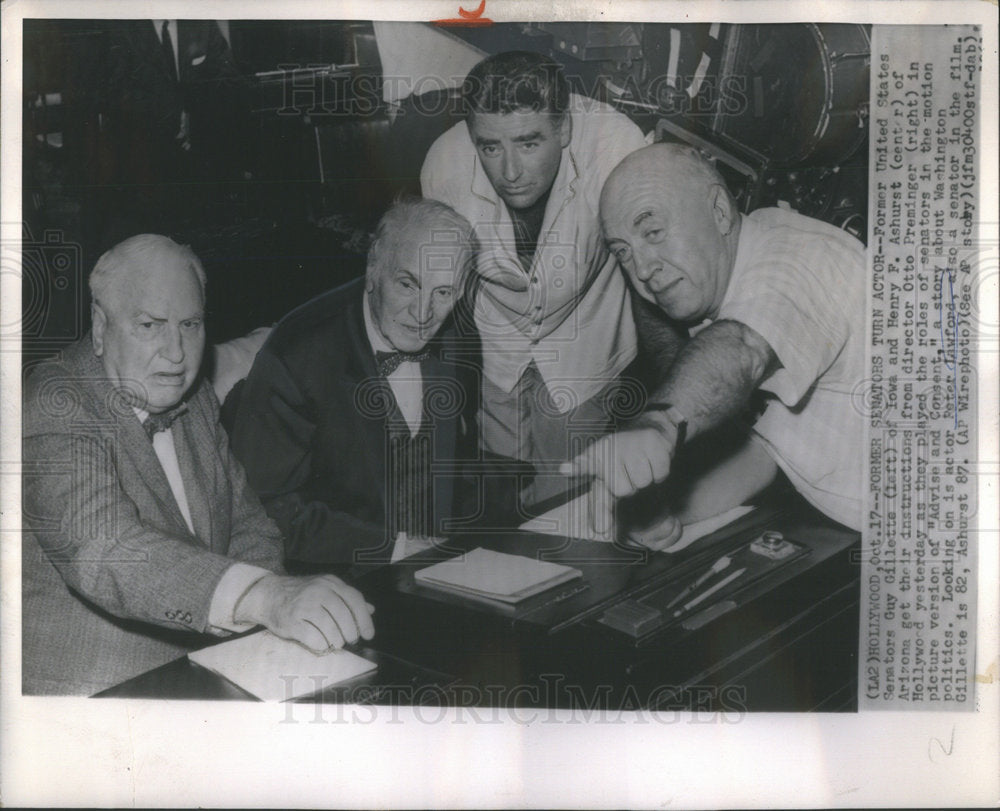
[(640, 217), (538, 135), (480, 141), (407, 274), (143, 314)]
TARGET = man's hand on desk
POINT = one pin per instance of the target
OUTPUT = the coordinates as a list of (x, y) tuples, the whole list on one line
[(319, 612)]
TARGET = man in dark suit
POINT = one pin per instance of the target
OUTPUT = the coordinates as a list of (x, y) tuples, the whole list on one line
[(176, 110), (356, 413), (141, 527)]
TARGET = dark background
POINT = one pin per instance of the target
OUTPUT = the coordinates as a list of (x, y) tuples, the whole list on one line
[(294, 156)]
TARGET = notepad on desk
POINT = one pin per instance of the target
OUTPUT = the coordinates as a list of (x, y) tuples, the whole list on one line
[(495, 576), (274, 669)]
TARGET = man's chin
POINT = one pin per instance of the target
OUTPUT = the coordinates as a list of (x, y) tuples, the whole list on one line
[(159, 406), (520, 201), (164, 398), (409, 347), (409, 340), (680, 312)]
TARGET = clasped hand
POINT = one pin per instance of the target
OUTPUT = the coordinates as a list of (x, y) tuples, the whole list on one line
[(320, 612), (621, 465)]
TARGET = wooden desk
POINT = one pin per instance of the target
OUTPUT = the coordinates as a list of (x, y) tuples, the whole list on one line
[(790, 645)]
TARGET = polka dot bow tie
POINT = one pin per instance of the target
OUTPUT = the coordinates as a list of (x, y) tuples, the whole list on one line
[(388, 362), (155, 423)]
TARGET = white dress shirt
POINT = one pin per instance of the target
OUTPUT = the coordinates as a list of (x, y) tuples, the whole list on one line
[(406, 382), (573, 319), (172, 28), (800, 284)]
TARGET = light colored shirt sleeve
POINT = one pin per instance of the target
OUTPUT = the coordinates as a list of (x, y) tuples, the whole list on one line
[(236, 582), (789, 302)]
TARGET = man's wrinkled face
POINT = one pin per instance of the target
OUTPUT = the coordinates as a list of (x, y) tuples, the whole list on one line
[(413, 288), (150, 335), (520, 152), (671, 245)]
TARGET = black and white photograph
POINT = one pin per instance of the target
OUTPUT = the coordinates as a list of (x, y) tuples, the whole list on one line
[(572, 407)]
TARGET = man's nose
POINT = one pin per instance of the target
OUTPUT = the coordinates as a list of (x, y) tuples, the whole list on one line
[(646, 263), (511, 165), (423, 309), (172, 348)]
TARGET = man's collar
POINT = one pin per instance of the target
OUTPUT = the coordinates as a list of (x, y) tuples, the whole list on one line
[(747, 232), (376, 340), (162, 421)]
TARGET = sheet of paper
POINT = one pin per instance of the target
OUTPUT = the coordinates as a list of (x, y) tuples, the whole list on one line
[(572, 520), (699, 529), (496, 575), (274, 669)]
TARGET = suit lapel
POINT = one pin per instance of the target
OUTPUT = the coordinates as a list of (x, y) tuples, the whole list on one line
[(131, 444), (135, 445), (151, 44), (198, 480), (373, 397), (191, 42), (439, 372)]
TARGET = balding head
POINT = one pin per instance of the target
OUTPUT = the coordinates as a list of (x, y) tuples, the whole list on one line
[(673, 225), (680, 166), (130, 263)]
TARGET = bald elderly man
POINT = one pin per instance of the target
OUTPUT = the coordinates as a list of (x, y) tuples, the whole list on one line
[(142, 533), (777, 301)]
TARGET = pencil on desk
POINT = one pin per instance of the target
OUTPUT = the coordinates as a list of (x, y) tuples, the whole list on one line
[(719, 565), (709, 592)]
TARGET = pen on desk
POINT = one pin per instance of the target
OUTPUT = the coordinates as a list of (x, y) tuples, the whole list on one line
[(709, 592), (719, 565)]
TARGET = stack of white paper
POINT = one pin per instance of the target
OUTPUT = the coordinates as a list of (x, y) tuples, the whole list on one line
[(274, 669), (495, 576)]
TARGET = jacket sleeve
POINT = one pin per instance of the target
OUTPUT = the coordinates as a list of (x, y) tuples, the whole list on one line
[(273, 437), (92, 532)]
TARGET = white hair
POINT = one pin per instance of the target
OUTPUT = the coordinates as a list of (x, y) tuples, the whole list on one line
[(436, 217), (143, 250)]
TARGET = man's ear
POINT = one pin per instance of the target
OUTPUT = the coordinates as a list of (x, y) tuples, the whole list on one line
[(565, 130), (100, 324), (723, 212)]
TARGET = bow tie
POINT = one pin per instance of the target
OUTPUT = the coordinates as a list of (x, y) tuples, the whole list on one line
[(155, 423), (388, 362)]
